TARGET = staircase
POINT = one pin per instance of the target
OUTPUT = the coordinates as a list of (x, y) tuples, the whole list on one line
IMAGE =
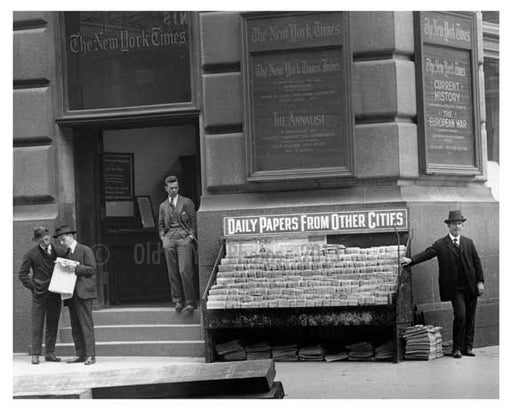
[(140, 331)]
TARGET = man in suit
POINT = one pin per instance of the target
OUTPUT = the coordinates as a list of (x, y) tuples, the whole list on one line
[(461, 280), (35, 274), (81, 303), (177, 230)]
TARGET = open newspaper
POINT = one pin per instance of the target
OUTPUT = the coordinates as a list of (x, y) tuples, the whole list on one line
[(63, 277)]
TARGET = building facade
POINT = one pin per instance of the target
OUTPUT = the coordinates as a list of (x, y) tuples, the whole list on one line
[(259, 114)]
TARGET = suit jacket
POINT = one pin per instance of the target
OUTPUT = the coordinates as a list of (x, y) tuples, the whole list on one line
[(41, 264), (187, 215), (85, 287), (447, 258)]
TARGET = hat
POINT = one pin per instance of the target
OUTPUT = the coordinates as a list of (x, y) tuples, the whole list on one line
[(39, 232), (63, 229), (455, 216)]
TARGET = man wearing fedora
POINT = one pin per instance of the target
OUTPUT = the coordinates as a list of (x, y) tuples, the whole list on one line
[(461, 279), (81, 303), (45, 305)]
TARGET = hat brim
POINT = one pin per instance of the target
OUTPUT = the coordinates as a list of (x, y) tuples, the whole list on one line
[(63, 233), (447, 221)]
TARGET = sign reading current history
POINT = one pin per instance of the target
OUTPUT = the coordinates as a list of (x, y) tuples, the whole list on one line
[(295, 87), (451, 134), (374, 220)]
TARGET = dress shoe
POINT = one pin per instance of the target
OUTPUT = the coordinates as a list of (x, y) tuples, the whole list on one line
[(178, 307), (468, 352), (190, 307), (77, 359), (50, 357), (35, 359), (457, 354), (90, 360)]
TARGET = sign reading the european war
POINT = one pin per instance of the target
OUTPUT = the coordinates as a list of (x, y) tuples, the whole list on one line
[(296, 94), (449, 107)]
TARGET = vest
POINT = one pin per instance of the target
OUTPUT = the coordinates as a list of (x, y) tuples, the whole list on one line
[(462, 282), (175, 219)]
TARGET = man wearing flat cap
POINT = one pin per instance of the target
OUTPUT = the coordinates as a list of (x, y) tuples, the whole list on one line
[(81, 303), (461, 279), (45, 305)]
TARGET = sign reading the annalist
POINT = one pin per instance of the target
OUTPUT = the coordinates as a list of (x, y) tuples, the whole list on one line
[(295, 73), (383, 220), (449, 103)]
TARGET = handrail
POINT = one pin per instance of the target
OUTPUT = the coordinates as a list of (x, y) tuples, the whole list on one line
[(213, 274)]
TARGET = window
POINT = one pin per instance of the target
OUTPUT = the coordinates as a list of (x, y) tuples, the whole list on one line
[(127, 59)]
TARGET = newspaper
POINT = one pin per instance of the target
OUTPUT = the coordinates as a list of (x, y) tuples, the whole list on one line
[(63, 278)]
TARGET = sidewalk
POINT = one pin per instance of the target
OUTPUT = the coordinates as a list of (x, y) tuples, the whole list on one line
[(444, 378)]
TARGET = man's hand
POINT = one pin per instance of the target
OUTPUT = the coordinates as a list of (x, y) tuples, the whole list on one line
[(480, 287), (405, 261), (66, 267)]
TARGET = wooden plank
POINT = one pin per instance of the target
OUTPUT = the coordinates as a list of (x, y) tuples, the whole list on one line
[(68, 394), (220, 378), (275, 392)]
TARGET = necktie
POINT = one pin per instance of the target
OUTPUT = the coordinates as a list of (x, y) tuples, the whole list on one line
[(456, 243)]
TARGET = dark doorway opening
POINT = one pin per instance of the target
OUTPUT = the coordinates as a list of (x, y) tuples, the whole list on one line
[(119, 173)]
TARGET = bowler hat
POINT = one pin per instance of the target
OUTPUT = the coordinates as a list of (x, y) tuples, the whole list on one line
[(455, 216), (63, 229), (39, 232)]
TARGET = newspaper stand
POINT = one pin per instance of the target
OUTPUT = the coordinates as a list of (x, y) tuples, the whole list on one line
[(396, 315)]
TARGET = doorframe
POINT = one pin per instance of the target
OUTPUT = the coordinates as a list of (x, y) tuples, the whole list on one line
[(87, 161)]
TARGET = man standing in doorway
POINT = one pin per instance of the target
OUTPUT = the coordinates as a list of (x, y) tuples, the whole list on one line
[(81, 303), (45, 305), (461, 280), (177, 230)]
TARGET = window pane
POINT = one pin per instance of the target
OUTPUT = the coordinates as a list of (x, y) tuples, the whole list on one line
[(125, 59), (492, 108)]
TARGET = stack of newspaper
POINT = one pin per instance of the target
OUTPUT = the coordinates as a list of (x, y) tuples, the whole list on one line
[(258, 351), (361, 351), (448, 347), (311, 353), (385, 351), (423, 342), (232, 350), (335, 354), (285, 353)]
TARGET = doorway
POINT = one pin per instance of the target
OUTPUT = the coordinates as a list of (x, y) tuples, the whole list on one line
[(119, 187)]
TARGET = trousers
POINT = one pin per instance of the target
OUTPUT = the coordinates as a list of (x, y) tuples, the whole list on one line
[(82, 325), (464, 311), (45, 307), (178, 251)]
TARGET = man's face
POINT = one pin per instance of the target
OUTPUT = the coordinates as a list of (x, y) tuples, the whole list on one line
[(455, 227), (65, 240), (172, 189), (44, 241)]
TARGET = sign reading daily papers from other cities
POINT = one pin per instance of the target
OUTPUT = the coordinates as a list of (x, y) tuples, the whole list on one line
[(381, 220)]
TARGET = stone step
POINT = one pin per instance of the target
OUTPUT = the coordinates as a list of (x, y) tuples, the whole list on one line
[(134, 332), (173, 348), (138, 316)]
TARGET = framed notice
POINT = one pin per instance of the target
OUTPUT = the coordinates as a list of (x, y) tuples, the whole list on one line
[(298, 121), (448, 109), (146, 212), (117, 178)]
